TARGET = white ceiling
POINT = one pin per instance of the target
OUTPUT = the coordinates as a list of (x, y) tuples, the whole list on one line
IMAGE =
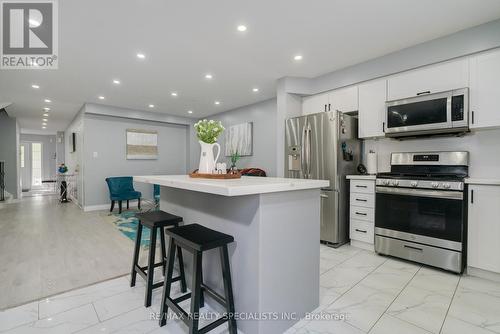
[(184, 40)]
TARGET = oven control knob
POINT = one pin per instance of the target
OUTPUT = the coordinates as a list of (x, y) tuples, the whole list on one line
[(446, 186), (414, 183), (395, 183), (434, 184)]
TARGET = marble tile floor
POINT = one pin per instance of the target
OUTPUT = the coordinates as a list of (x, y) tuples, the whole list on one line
[(361, 292)]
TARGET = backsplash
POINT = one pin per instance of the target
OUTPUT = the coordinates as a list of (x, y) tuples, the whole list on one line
[(483, 146)]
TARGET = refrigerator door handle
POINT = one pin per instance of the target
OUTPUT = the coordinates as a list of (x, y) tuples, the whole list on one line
[(303, 153), (308, 150)]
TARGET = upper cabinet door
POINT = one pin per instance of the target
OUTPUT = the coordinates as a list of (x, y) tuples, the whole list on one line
[(485, 90), (372, 96), (343, 99), (430, 79), (315, 104)]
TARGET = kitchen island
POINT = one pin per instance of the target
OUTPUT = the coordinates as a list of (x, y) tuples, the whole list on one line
[(275, 257)]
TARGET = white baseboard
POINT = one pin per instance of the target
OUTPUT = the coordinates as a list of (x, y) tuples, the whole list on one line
[(481, 273), (99, 207), (107, 206)]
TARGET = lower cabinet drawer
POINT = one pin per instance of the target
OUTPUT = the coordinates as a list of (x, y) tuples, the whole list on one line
[(362, 213), (360, 199), (361, 231)]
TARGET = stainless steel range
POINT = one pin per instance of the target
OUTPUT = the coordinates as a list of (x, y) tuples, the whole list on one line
[(421, 209)]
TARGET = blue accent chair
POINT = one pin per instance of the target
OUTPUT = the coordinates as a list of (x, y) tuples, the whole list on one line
[(156, 195), (122, 189)]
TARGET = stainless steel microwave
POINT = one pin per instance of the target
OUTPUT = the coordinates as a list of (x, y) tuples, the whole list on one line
[(446, 112)]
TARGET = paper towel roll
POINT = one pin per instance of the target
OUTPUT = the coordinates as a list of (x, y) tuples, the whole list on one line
[(371, 163)]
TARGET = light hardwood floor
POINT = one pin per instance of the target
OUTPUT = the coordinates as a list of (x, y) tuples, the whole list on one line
[(47, 247)]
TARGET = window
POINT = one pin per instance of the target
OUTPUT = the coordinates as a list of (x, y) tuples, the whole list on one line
[(36, 164)]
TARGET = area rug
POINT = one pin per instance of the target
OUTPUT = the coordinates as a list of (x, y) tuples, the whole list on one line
[(127, 223)]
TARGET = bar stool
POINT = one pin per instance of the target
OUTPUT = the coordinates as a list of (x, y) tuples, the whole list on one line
[(156, 221), (196, 239)]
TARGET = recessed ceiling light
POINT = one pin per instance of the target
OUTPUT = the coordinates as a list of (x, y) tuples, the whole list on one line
[(242, 28), (297, 57), (217, 102), (46, 108), (47, 101), (45, 120), (45, 115), (151, 105), (190, 111), (44, 127), (255, 90), (173, 93), (100, 97), (35, 86), (208, 76), (44, 124), (141, 56), (116, 81)]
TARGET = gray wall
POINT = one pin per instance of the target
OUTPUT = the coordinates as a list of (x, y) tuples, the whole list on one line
[(105, 135), (48, 153), (263, 117), (74, 160), (8, 151)]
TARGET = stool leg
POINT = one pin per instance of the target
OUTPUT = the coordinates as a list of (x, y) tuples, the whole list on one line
[(112, 206), (128, 204), (202, 294), (151, 268), (135, 260), (167, 284), (228, 289), (195, 293), (163, 249), (181, 269), (119, 207)]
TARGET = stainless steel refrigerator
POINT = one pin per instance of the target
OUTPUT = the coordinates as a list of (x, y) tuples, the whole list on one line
[(325, 146)]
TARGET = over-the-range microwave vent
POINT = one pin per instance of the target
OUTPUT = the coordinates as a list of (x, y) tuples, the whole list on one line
[(429, 134)]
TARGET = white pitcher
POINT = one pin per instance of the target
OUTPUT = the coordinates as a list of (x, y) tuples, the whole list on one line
[(207, 161)]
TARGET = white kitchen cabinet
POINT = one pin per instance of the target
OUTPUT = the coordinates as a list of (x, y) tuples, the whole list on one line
[(483, 249), (485, 90), (362, 211), (343, 99), (315, 104), (430, 79), (372, 97)]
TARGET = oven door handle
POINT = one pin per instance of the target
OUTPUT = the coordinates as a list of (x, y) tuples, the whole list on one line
[(458, 195)]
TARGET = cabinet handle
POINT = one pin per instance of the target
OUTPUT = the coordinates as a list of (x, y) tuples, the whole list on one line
[(422, 93), (329, 107), (414, 248), (358, 186), (360, 213), (325, 107), (361, 200), (383, 127), (472, 196), (472, 114), (362, 231)]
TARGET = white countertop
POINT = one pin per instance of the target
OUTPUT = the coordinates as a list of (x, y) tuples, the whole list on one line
[(474, 180), (361, 177), (247, 185)]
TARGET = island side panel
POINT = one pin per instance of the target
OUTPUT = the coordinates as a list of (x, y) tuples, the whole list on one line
[(289, 255), (238, 216)]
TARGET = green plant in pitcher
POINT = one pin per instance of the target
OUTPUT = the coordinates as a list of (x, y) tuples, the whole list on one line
[(208, 130)]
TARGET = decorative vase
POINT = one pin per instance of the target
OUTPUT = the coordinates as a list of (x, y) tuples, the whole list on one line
[(207, 161)]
